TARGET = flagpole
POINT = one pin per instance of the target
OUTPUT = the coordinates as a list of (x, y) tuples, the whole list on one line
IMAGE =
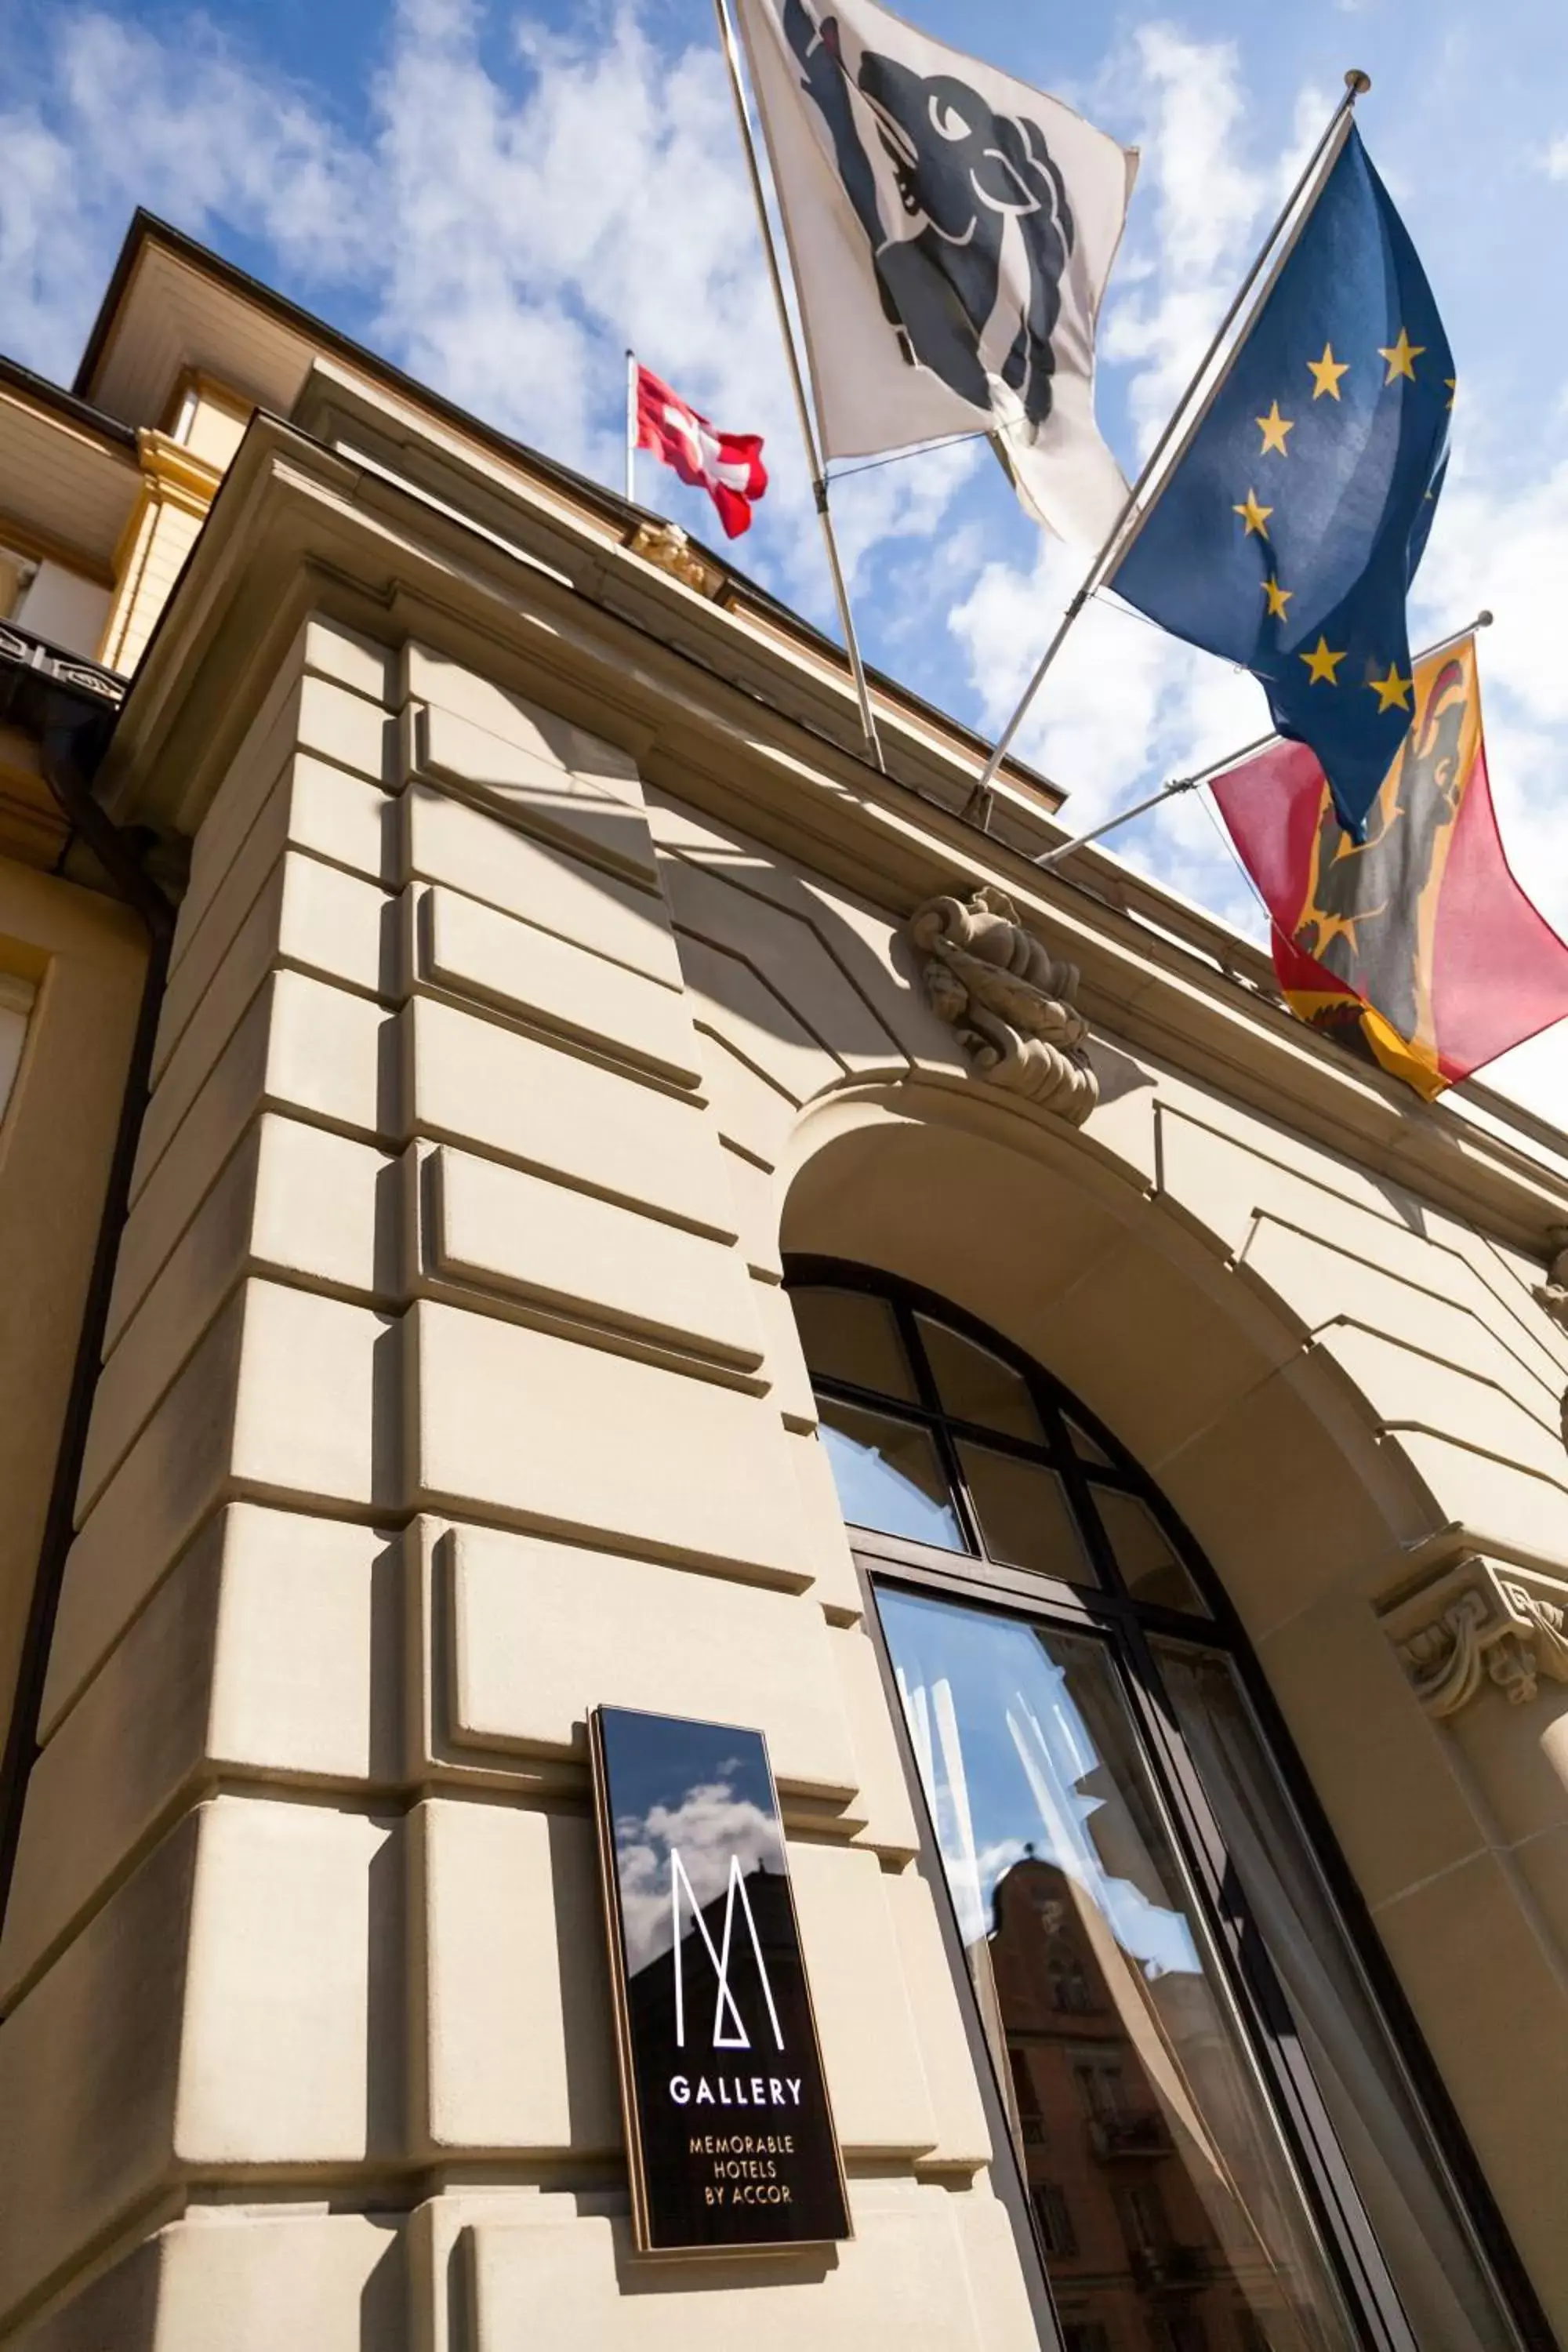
[(631, 427), (797, 381), (1053, 857), (977, 807)]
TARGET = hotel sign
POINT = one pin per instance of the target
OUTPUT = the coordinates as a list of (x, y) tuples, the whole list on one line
[(728, 2130)]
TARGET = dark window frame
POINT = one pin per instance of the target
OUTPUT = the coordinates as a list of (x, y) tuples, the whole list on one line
[(1053, 2219), (1109, 1609)]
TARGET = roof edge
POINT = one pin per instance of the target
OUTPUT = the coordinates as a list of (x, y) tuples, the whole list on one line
[(68, 404), (622, 513)]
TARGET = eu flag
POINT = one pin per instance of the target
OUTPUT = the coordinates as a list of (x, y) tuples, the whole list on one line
[(1291, 523)]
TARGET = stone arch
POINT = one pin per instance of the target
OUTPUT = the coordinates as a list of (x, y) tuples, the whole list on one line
[(1307, 1511), (1268, 1453)]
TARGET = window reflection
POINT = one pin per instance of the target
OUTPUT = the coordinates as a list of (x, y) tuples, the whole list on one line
[(1145, 1554), (1023, 1514), (1165, 2204), (888, 1474), (847, 1335), (975, 1385), (1419, 2227)]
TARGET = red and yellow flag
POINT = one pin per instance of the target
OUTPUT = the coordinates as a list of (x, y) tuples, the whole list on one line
[(1416, 947)]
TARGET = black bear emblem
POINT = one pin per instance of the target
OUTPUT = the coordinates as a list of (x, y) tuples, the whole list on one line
[(968, 175)]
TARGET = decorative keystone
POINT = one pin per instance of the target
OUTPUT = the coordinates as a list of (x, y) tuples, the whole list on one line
[(1009, 1002)]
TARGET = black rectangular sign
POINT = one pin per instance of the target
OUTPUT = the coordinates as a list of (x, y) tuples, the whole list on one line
[(729, 2131)]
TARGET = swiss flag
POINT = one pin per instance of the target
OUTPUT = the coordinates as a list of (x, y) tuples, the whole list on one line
[(727, 465)]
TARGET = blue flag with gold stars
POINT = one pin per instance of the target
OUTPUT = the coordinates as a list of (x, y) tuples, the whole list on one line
[(1291, 525)]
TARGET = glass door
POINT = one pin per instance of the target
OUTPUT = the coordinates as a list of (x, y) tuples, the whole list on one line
[(1165, 2201), (1231, 2137)]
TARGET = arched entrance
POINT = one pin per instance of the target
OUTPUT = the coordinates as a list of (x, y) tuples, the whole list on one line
[(1065, 1652)]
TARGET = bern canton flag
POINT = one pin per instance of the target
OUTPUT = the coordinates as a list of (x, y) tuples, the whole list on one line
[(1416, 947), (1291, 523), (950, 231)]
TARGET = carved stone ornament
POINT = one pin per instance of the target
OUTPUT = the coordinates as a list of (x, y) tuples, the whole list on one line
[(1010, 1002), (1481, 1622), (1552, 1294), (666, 545)]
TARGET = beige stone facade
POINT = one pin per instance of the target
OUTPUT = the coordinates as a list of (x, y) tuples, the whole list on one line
[(541, 977)]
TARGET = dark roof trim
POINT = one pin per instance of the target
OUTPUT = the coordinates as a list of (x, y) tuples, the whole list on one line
[(146, 229), (67, 404)]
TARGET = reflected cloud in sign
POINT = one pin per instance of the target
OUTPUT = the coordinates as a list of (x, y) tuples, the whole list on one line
[(710, 1824)]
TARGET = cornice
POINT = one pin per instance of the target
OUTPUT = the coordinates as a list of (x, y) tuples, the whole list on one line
[(724, 625), (175, 472), (730, 725)]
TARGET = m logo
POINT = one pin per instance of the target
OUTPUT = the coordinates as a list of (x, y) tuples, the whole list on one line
[(729, 2136), (731, 2034)]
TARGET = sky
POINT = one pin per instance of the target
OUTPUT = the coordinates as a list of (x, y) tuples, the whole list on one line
[(502, 197)]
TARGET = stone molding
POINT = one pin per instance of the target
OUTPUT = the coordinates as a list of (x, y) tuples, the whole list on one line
[(1480, 1622), (170, 471), (1552, 1297), (1009, 1002), (1552, 1294)]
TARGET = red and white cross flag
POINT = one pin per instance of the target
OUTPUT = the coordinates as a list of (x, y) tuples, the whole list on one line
[(727, 465)]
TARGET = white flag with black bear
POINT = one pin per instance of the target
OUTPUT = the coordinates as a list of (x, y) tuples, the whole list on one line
[(950, 231)]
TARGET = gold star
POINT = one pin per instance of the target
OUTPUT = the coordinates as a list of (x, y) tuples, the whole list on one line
[(1255, 517), (1321, 664), (1278, 598), (1392, 692), (1274, 427), (1453, 389), (1401, 357), (1329, 928), (1326, 373)]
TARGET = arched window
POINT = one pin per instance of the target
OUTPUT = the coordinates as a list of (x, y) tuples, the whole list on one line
[(1225, 2128)]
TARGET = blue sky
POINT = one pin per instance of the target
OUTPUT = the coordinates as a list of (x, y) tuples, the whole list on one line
[(500, 196)]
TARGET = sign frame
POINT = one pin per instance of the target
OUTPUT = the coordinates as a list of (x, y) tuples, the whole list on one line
[(808, 2075)]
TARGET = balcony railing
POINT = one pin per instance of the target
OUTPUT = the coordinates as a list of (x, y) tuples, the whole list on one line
[(1169, 2269), (22, 651), (1136, 2135)]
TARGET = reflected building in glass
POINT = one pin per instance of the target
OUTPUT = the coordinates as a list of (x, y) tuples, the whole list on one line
[(1122, 2183)]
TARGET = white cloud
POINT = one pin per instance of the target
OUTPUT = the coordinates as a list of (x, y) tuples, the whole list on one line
[(535, 236), (1193, 223), (510, 231), (1554, 162), (1205, 193), (709, 1827), (117, 117)]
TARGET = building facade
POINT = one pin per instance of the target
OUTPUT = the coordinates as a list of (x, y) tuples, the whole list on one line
[(535, 1178)]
